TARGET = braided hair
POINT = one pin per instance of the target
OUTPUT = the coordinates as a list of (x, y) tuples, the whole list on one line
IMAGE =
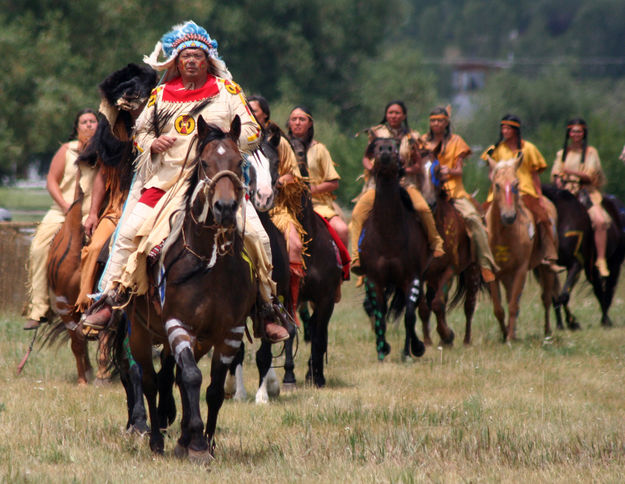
[(569, 126)]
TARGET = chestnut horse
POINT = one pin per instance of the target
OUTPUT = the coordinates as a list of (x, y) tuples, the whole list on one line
[(456, 263), (514, 241), (64, 284), (393, 250), (202, 262)]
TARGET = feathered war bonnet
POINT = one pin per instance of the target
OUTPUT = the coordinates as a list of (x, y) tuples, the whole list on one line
[(184, 36)]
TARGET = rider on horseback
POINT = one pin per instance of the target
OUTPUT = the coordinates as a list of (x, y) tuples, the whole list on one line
[(453, 152), (323, 179), (61, 183), (509, 145), (577, 168), (288, 201), (197, 82), (394, 125)]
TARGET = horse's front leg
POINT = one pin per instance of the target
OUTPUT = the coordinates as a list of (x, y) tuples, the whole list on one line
[(498, 310), (513, 292), (140, 342), (439, 304), (375, 294), (263, 363), (289, 382), (319, 339), (222, 357), (412, 345), (472, 281), (547, 280), (425, 302), (79, 350)]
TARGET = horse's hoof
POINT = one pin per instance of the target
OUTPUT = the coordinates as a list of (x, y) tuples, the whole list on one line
[(449, 341), (417, 349), (606, 322), (181, 452), (101, 382), (140, 430), (289, 387), (202, 457), (384, 350)]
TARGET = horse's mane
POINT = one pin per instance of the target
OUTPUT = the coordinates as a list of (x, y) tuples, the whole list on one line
[(554, 193)]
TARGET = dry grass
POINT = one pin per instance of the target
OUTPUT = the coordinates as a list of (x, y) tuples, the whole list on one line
[(532, 411)]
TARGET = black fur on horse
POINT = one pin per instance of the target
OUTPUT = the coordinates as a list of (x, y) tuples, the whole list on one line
[(393, 250), (321, 282), (577, 251)]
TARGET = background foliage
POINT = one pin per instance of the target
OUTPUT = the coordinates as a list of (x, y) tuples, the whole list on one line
[(344, 58)]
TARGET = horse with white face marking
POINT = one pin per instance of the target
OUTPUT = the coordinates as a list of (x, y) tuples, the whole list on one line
[(203, 261)]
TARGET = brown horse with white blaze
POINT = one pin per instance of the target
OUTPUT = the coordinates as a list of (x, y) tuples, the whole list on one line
[(512, 237), (457, 263), (209, 289)]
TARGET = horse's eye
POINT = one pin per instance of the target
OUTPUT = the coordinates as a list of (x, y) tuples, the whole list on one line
[(497, 187)]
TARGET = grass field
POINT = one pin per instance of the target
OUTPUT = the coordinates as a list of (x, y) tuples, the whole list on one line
[(25, 204), (533, 411)]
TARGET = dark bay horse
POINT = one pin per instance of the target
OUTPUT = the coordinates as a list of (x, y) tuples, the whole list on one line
[(604, 288), (575, 248), (203, 261), (577, 251), (393, 250), (514, 242), (319, 286), (457, 262), (64, 284)]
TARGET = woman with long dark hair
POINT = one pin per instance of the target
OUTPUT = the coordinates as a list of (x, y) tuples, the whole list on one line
[(393, 125), (454, 150), (577, 168), (61, 184), (509, 145)]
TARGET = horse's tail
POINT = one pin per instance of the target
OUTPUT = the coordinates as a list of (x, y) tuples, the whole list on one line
[(115, 346), (54, 334), (461, 291), (463, 282), (398, 304)]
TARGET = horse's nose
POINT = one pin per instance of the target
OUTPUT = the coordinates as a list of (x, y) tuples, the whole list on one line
[(508, 218), (263, 200), (225, 212)]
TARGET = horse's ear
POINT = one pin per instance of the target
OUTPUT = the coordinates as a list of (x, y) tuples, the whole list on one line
[(492, 163), (202, 128), (235, 128)]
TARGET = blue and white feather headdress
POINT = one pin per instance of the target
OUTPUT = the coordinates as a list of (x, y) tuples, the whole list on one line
[(184, 36)]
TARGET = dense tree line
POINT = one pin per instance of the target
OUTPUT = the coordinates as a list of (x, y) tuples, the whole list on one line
[(343, 58)]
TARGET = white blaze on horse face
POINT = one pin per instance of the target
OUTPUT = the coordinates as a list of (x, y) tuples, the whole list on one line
[(221, 150), (263, 197)]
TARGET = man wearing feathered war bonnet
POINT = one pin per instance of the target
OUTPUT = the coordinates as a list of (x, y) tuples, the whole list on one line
[(196, 82)]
